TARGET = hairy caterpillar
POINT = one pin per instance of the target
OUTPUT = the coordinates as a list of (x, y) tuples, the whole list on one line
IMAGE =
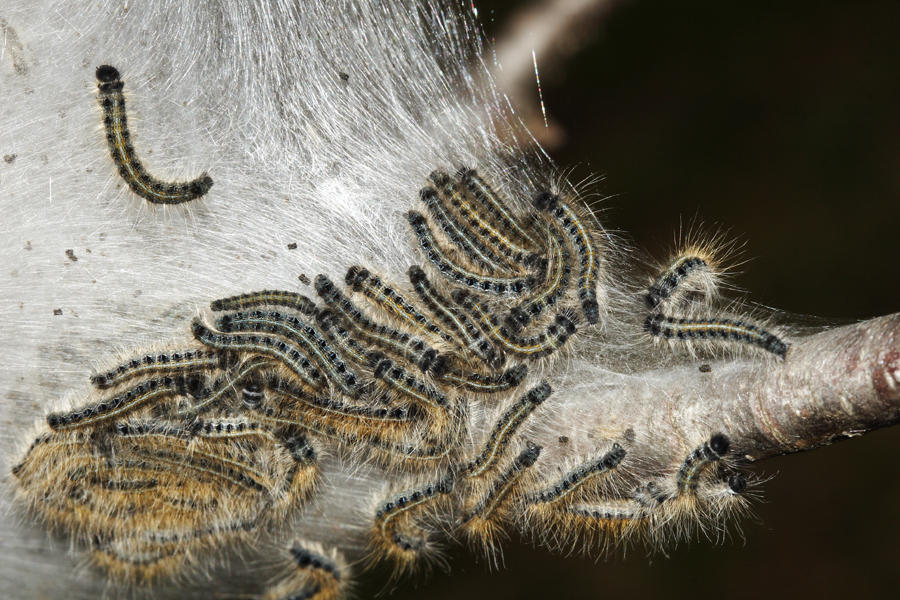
[(132, 170), (160, 311)]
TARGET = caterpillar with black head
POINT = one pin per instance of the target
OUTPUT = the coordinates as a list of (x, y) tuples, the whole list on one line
[(121, 149)]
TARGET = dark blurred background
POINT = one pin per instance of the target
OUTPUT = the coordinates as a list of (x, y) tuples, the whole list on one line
[(780, 121)]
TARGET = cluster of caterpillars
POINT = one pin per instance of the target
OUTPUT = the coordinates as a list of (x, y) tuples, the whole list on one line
[(185, 451)]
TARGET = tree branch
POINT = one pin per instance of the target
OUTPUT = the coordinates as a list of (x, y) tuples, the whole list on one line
[(833, 385), (554, 30)]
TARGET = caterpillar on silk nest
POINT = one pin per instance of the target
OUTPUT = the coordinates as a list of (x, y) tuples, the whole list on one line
[(475, 356)]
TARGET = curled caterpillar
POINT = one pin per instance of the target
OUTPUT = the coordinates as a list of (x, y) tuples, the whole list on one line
[(132, 170)]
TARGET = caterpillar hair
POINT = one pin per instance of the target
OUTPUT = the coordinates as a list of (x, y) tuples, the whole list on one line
[(390, 450), (611, 521)]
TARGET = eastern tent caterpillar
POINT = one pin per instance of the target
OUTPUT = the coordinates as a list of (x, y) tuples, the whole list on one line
[(505, 427), (286, 352), (386, 298), (535, 346), (395, 528), (495, 285), (147, 559), (307, 336), (611, 518), (502, 244), (699, 460), (695, 270), (154, 483), (562, 490), (495, 207), (725, 330), (205, 465), (387, 449), (471, 246), (137, 396), (398, 380), (183, 361), (663, 288), (589, 258), (142, 564), (320, 180), (293, 300), (485, 518), (469, 337), (555, 285), (337, 408), (210, 396), (153, 545), (307, 559), (112, 100), (332, 327), (398, 343), (500, 381), (229, 428), (314, 575)]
